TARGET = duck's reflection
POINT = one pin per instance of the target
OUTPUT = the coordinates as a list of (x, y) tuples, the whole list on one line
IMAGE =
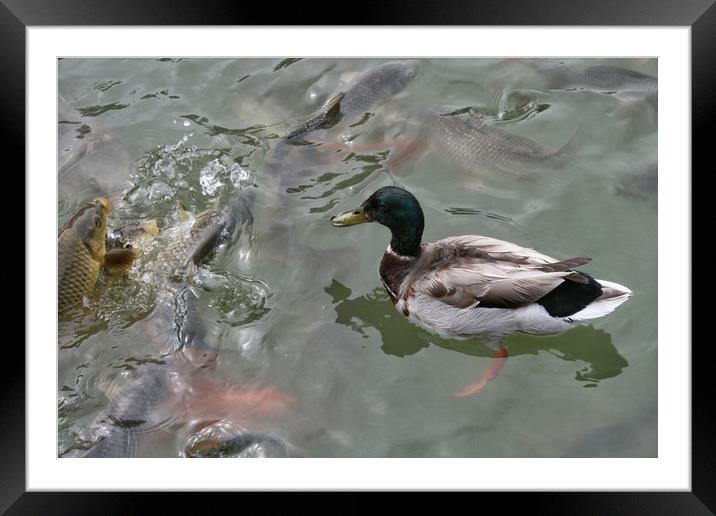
[(591, 347)]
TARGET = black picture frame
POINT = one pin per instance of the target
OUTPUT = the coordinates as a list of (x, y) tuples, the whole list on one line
[(700, 15)]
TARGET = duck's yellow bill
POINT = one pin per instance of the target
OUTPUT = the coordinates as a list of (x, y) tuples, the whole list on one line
[(350, 218)]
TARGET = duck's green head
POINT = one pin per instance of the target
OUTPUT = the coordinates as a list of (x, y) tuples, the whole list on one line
[(395, 208)]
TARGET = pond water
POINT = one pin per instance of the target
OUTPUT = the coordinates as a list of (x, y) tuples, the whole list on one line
[(311, 351)]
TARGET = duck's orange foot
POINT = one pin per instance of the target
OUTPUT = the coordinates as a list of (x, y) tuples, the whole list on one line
[(490, 373)]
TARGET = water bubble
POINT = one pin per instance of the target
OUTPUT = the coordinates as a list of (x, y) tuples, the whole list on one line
[(159, 191), (215, 175), (238, 300), (209, 280), (187, 123), (197, 173), (210, 178), (239, 175)]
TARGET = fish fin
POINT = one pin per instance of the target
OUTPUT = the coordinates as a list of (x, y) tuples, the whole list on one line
[(150, 226), (204, 216), (564, 154), (333, 103), (119, 261), (184, 213), (331, 112), (329, 116)]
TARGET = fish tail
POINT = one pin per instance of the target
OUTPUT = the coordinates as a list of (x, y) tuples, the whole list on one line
[(305, 128), (328, 117), (191, 331), (119, 261), (565, 153)]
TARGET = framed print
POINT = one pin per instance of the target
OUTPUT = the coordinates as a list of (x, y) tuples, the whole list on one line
[(212, 303)]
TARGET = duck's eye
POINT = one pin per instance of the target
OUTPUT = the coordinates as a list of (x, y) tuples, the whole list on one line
[(128, 246)]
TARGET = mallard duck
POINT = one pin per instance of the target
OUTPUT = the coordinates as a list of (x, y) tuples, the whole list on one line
[(473, 285)]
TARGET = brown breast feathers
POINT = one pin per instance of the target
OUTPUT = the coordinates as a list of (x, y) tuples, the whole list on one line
[(393, 270)]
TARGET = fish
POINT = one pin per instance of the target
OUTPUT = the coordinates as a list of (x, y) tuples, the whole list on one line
[(86, 247), (242, 445), (472, 144), (170, 381), (186, 251), (118, 237), (200, 237), (131, 412), (220, 439), (641, 182), (81, 252), (605, 78), (364, 92), (128, 416)]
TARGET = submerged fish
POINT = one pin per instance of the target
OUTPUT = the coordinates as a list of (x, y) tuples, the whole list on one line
[(641, 183), (470, 143), (606, 78), (129, 414), (133, 414), (221, 440), (364, 92)]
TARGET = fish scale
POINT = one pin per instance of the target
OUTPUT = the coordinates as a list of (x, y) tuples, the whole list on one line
[(375, 85), (472, 144), (606, 78), (78, 266)]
